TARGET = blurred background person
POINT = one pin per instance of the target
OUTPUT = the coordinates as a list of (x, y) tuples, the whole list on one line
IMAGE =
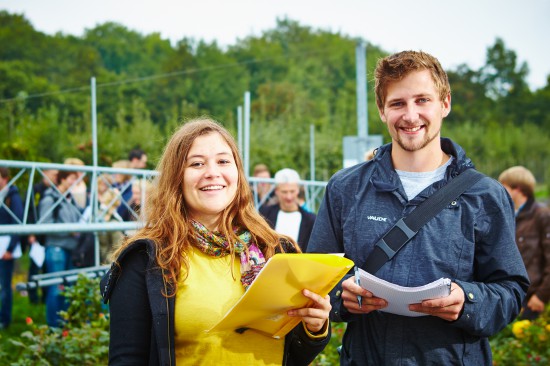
[(49, 178), (263, 190), (532, 237), (59, 246), (108, 201), (79, 191), (123, 182), (137, 159), (287, 217), (10, 247)]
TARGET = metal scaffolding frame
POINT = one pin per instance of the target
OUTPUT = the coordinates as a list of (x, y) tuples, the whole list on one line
[(26, 175)]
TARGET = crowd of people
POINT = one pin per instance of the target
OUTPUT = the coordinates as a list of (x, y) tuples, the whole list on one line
[(208, 233), (64, 196)]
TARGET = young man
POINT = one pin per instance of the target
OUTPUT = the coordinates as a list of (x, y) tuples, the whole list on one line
[(532, 237), (287, 217), (471, 241)]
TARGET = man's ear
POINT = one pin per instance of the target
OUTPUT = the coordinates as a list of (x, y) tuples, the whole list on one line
[(446, 105), (382, 115)]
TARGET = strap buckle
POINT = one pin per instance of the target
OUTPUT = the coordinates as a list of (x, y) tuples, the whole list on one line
[(389, 243)]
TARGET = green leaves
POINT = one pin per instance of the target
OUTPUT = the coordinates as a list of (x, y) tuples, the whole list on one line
[(297, 76)]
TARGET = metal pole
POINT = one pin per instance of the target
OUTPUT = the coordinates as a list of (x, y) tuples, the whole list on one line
[(247, 134), (312, 152), (240, 129), (94, 198), (361, 67)]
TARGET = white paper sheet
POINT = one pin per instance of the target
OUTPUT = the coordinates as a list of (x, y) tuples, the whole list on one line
[(37, 254), (398, 297)]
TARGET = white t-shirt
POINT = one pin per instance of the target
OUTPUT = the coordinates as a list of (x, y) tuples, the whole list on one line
[(416, 182), (288, 223)]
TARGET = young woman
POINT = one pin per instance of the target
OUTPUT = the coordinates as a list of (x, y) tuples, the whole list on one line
[(202, 245)]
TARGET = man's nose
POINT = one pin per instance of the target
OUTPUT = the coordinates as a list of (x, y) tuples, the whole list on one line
[(410, 113)]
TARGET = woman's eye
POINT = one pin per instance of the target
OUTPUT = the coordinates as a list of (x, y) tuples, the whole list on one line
[(196, 164), (225, 161)]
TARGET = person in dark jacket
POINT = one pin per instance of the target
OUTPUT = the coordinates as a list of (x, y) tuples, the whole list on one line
[(58, 207), (287, 216), (49, 177), (11, 210), (202, 245), (470, 242), (532, 237)]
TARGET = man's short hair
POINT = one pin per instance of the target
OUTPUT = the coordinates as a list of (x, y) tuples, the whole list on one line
[(287, 176), (63, 174), (260, 168), (521, 178), (73, 161), (397, 66), (135, 154)]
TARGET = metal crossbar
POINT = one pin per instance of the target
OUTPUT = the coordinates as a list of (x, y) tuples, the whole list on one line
[(61, 277), (25, 177)]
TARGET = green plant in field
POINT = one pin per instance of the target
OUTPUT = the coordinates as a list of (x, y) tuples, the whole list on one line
[(84, 339), (330, 355), (523, 342)]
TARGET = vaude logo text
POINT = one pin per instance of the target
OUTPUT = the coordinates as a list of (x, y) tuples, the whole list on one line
[(377, 218)]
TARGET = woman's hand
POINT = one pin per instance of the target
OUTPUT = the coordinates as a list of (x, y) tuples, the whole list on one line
[(315, 316)]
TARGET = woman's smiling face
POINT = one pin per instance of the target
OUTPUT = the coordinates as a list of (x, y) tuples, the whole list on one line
[(210, 179)]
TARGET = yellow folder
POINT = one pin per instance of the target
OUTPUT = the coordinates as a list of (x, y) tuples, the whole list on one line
[(278, 288)]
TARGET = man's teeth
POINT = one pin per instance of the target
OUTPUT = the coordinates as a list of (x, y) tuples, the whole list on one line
[(412, 129), (211, 188)]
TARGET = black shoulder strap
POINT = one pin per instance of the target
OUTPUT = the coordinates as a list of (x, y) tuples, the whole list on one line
[(407, 227)]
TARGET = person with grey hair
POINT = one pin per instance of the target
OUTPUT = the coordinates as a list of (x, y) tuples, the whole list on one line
[(287, 217)]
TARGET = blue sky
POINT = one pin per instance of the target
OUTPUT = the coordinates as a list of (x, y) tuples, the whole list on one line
[(454, 31)]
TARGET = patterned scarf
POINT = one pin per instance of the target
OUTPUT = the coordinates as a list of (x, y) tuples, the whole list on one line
[(216, 245)]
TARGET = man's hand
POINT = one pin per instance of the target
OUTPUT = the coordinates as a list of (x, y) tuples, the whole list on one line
[(350, 291), (447, 308), (535, 304)]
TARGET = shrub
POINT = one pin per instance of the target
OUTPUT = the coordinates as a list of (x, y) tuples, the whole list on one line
[(84, 339), (523, 342)]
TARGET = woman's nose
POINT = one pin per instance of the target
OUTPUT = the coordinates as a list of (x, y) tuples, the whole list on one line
[(212, 170)]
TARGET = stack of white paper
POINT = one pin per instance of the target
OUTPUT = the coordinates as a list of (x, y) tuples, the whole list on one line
[(398, 297)]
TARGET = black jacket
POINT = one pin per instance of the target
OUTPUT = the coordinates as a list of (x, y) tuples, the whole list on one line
[(135, 280), (306, 225)]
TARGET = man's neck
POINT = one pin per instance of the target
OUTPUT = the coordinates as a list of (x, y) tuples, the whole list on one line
[(424, 160), (288, 209)]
